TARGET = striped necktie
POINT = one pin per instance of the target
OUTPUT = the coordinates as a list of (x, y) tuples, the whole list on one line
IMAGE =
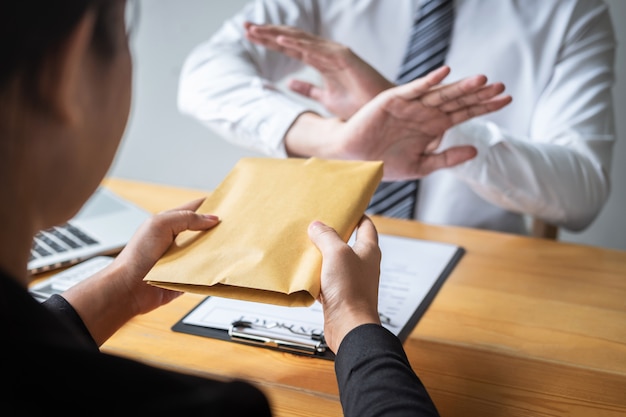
[(428, 44)]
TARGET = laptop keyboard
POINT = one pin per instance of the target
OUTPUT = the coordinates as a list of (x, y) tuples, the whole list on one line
[(59, 239), (61, 281)]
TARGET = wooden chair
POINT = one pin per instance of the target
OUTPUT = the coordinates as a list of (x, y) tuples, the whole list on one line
[(544, 230)]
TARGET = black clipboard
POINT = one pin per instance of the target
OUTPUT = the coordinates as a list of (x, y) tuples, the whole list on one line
[(278, 336)]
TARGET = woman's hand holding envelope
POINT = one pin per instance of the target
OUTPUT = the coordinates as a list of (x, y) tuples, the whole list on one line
[(270, 260), (122, 280), (349, 281)]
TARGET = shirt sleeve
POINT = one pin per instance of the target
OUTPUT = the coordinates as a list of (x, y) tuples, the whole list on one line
[(233, 86), (559, 171), (375, 377), (58, 306)]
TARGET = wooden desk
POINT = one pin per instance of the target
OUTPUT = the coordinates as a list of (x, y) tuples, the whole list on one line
[(522, 327)]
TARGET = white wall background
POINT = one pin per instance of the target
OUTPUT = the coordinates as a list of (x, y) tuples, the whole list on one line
[(163, 146)]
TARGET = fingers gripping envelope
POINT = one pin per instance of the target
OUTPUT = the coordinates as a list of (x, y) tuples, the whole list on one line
[(260, 251)]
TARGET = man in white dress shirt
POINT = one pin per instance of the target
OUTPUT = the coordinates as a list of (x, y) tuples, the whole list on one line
[(547, 154)]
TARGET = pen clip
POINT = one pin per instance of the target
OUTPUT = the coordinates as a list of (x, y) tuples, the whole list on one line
[(258, 334)]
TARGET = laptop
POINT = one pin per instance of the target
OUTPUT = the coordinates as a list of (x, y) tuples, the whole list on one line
[(103, 226)]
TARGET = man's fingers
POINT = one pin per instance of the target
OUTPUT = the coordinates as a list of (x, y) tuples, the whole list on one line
[(464, 91), (311, 53), (284, 39), (316, 52), (305, 89), (313, 50), (446, 159), (274, 31), (300, 87), (470, 112), (268, 36), (479, 96), (416, 88)]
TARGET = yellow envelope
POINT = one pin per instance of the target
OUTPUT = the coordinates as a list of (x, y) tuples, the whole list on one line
[(261, 251)]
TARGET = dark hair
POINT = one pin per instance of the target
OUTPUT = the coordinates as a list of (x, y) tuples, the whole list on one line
[(33, 30)]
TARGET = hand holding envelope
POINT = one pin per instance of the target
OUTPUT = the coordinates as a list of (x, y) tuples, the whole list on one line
[(261, 251)]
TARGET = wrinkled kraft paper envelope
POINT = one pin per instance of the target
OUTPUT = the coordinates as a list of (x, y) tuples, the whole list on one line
[(261, 251)]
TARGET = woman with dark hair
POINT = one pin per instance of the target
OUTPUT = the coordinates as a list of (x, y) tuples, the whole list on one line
[(65, 85)]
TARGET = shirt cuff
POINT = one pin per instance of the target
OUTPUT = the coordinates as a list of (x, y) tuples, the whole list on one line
[(480, 135)]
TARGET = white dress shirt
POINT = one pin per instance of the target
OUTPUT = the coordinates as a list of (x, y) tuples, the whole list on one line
[(545, 155)]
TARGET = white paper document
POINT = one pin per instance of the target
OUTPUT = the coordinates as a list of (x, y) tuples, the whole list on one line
[(412, 271)]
